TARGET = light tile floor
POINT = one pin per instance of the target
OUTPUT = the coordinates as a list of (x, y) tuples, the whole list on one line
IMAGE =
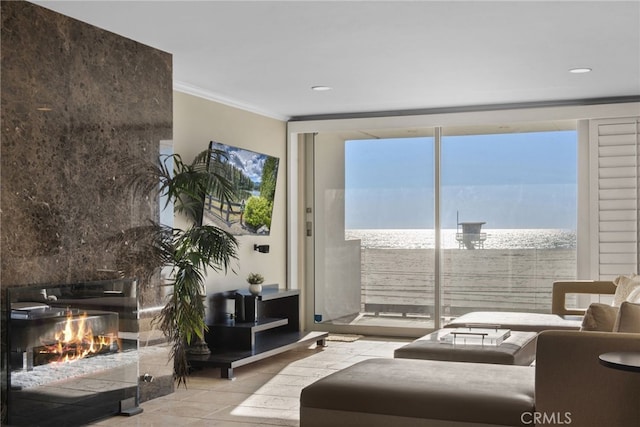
[(265, 393)]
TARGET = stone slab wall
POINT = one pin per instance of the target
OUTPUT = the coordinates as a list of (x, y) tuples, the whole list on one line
[(78, 104)]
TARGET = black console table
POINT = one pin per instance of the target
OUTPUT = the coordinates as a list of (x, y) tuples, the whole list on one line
[(262, 326)]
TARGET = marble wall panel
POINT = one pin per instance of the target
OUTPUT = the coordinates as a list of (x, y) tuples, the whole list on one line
[(78, 104)]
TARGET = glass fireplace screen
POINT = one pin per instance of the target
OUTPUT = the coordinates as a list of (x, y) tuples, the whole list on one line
[(72, 352)]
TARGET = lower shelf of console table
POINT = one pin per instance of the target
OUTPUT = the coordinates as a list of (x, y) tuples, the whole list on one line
[(228, 359)]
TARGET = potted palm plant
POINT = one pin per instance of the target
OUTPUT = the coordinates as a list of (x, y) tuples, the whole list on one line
[(189, 253)]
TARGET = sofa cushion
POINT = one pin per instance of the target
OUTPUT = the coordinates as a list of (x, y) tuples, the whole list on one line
[(628, 319), (600, 317), (625, 285), (634, 296), (492, 394)]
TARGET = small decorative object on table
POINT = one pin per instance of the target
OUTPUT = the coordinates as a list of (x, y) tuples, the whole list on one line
[(255, 283), (478, 336)]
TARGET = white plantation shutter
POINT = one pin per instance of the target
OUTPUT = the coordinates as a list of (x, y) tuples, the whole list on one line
[(615, 198)]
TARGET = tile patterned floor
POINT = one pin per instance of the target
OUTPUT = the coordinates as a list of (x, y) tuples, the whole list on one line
[(265, 393)]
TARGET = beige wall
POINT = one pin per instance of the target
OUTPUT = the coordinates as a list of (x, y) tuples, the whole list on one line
[(196, 121)]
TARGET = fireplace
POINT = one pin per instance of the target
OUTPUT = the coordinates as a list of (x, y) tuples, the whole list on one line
[(72, 352)]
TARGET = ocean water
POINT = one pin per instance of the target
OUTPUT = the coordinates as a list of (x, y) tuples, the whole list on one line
[(496, 238)]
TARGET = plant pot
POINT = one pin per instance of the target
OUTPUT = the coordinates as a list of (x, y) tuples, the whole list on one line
[(255, 288)]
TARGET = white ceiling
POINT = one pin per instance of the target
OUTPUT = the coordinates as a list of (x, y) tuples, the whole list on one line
[(380, 56)]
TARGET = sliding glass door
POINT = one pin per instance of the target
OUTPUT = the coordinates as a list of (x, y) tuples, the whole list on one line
[(410, 232), (389, 210), (374, 233), (508, 206)]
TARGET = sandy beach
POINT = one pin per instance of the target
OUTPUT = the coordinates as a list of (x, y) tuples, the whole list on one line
[(482, 279)]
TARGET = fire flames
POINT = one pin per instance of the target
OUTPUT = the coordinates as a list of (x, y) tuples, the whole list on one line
[(76, 341)]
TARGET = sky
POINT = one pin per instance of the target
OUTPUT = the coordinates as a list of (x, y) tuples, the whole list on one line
[(525, 180)]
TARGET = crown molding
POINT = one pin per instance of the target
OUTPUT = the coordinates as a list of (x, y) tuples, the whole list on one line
[(211, 96)]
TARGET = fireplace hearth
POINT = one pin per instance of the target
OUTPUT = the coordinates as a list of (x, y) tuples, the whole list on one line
[(73, 352)]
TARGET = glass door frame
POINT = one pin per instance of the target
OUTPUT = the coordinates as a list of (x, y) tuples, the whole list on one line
[(298, 131)]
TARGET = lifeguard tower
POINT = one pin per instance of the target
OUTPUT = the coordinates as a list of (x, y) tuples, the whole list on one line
[(469, 235)]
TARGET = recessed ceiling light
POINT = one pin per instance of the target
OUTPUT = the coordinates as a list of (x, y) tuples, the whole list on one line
[(580, 70), (320, 88)]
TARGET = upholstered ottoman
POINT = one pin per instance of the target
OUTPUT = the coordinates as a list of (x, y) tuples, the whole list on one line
[(518, 349), (404, 392)]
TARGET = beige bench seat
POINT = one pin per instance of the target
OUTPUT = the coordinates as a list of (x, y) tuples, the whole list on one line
[(517, 321), (560, 318), (403, 392)]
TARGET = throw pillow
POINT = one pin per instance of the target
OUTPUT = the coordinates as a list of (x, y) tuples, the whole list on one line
[(599, 317), (624, 286), (634, 296), (628, 319)]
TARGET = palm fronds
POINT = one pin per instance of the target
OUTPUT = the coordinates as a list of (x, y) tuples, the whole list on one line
[(191, 182), (141, 251), (190, 253)]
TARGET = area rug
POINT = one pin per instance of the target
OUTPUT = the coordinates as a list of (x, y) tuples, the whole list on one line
[(343, 337)]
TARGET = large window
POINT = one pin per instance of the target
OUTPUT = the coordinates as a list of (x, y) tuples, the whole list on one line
[(412, 232)]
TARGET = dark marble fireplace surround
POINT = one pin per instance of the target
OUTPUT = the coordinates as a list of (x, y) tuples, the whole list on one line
[(78, 102)]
